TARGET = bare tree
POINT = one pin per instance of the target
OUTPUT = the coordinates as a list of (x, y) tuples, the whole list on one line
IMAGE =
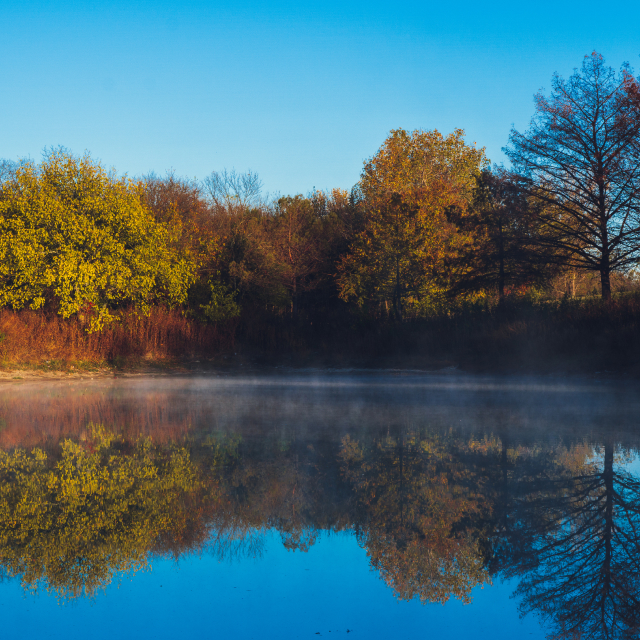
[(581, 156), (7, 170), (230, 190)]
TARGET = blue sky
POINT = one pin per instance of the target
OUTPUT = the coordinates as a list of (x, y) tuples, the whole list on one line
[(301, 93)]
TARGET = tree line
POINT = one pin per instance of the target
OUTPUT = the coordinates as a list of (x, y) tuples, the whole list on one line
[(431, 226)]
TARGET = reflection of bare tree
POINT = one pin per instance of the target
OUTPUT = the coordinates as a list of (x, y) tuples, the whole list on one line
[(574, 543), (228, 542), (283, 484)]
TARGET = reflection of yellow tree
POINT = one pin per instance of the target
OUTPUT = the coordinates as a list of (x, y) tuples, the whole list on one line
[(70, 525), (417, 500)]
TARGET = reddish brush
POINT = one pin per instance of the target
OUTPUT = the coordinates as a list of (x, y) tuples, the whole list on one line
[(31, 337)]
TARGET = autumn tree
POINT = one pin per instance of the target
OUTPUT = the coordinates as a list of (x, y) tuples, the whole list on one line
[(179, 202), (76, 237), (407, 188), (581, 156), (504, 225), (295, 233), (246, 263), (181, 205)]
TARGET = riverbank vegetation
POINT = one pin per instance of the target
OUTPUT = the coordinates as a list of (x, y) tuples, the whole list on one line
[(434, 255)]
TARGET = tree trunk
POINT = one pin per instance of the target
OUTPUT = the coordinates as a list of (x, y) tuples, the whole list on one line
[(608, 522), (397, 299), (294, 298), (501, 266), (605, 262), (504, 464), (605, 282)]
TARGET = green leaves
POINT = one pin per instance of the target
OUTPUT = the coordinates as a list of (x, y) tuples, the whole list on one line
[(222, 305)]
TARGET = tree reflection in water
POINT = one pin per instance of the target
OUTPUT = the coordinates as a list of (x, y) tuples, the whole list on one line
[(439, 512), (70, 524), (416, 502), (574, 545)]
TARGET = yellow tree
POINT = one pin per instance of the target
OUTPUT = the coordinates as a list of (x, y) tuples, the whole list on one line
[(408, 187), (74, 236)]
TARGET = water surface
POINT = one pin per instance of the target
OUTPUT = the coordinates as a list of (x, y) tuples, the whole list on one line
[(373, 505)]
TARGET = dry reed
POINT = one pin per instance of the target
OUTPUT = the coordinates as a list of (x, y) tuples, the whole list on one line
[(34, 337)]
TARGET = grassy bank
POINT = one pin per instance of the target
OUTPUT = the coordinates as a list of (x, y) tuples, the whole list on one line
[(573, 336), (48, 342)]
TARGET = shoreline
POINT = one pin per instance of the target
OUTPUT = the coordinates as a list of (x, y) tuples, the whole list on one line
[(232, 369)]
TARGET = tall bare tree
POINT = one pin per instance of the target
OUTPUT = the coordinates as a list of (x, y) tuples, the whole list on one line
[(7, 169), (581, 155), (230, 190)]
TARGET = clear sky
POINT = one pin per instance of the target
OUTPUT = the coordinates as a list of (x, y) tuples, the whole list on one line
[(301, 93)]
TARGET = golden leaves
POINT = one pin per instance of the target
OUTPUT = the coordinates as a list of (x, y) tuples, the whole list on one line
[(74, 234), (408, 187)]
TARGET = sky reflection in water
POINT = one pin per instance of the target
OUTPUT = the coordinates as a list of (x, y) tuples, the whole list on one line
[(321, 504)]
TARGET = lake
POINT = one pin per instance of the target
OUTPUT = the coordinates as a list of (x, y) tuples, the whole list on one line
[(309, 504)]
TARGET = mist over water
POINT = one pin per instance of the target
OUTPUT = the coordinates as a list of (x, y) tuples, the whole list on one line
[(387, 503)]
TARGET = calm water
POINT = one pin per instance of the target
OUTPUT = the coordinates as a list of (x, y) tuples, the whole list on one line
[(363, 505)]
